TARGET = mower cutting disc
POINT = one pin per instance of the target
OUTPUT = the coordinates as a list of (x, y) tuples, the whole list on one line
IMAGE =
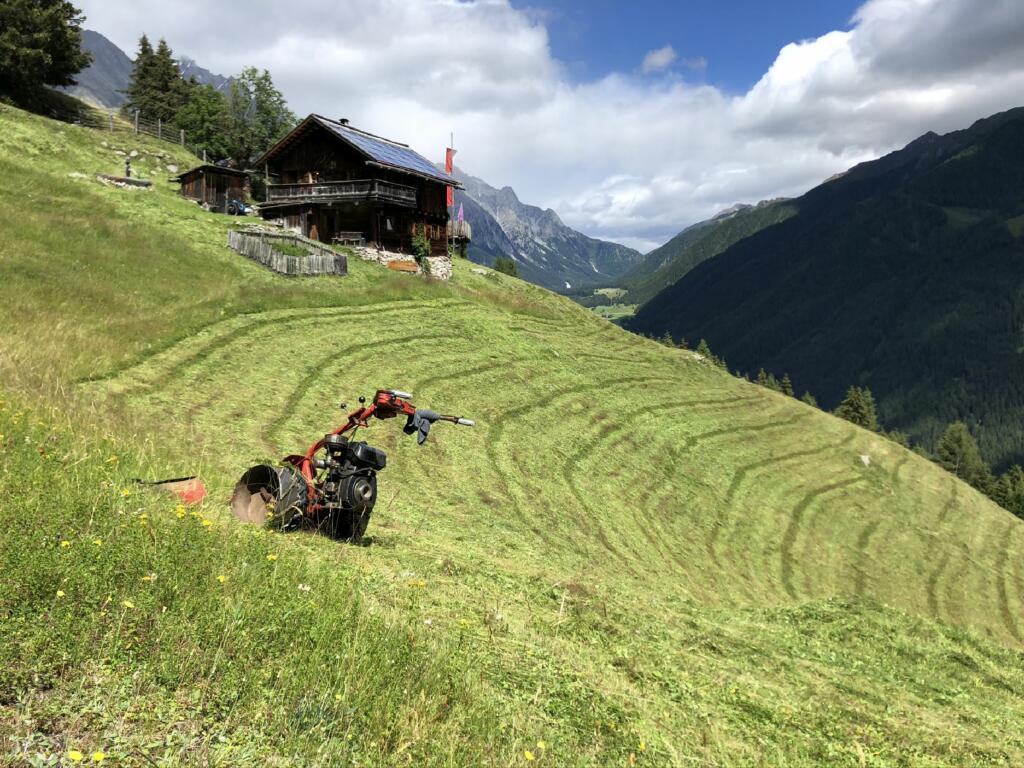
[(266, 494)]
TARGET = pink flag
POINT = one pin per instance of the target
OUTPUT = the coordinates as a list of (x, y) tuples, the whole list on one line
[(461, 217)]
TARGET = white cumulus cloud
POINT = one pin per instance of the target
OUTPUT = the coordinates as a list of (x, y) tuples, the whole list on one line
[(625, 157), (658, 59)]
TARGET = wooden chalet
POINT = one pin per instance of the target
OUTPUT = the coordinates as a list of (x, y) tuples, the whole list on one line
[(214, 185), (337, 184)]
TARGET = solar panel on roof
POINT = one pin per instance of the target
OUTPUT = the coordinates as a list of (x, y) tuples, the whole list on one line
[(385, 152)]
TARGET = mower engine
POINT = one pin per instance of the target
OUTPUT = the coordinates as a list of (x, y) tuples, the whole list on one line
[(333, 486)]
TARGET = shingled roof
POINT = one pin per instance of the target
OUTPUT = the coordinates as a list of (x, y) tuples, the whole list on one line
[(377, 150)]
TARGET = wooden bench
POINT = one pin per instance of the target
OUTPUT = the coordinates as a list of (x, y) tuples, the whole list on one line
[(348, 238)]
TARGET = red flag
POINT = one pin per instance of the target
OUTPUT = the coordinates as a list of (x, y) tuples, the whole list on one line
[(449, 164)]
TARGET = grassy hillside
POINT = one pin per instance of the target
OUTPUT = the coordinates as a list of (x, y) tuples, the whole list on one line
[(906, 275), (633, 559)]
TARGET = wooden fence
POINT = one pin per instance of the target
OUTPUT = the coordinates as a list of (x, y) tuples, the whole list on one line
[(258, 245)]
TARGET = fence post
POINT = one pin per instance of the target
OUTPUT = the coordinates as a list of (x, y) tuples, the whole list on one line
[(183, 137), (136, 121), (159, 129), (111, 118), (204, 155)]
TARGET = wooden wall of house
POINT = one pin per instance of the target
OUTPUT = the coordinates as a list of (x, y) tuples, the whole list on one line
[(317, 156)]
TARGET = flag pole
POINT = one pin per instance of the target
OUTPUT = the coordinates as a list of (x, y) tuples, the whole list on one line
[(450, 230)]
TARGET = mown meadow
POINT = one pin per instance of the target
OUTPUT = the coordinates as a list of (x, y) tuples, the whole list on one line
[(634, 559)]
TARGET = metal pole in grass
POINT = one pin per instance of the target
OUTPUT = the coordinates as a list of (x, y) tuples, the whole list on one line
[(110, 117), (159, 128), (136, 121), (183, 137)]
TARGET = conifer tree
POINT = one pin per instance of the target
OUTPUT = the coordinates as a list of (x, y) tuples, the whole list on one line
[(787, 385), (40, 44), (762, 378), (704, 350), (1009, 492), (157, 89), (682, 343), (667, 340), (958, 453), (858, 407), (810, 399), (142, 77)]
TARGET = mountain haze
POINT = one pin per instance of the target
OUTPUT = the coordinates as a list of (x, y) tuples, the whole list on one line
[(905, 275), (104, 82), (546, 251)]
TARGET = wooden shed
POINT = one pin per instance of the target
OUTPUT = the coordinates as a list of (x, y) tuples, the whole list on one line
[(214, 185)]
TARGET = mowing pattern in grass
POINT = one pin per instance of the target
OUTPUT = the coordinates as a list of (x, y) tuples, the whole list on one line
[(632, 554)]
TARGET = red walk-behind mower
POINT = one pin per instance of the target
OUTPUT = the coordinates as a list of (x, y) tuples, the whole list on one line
[(333, 486)]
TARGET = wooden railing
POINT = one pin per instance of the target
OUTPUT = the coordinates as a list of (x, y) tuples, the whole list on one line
[(460, 230), (356, 189)]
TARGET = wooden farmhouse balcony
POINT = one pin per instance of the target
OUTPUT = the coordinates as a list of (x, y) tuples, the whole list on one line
[(460, 230), (343, 191)]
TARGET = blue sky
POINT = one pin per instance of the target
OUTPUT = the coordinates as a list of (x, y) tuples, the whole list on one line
[(738, 39)]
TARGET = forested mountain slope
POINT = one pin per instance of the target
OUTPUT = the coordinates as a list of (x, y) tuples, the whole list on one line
[(634, 559), (905, 275), (668, 263)]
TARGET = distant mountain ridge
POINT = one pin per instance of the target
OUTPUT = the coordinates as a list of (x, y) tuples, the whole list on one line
[(905, 275), (105, 81), (697, 243), (546, 251)]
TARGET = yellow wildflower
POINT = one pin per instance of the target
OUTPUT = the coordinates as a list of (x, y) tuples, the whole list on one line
[(127, 603), (126, 492), (642, 747), (98, 756), (222, 578), (98, 542), (75, 756), (528, 755), (180, 511), (271, 557), (207, 523), (112, 460), (149, 577), (65, 543), (541, 744), (60, 593)]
